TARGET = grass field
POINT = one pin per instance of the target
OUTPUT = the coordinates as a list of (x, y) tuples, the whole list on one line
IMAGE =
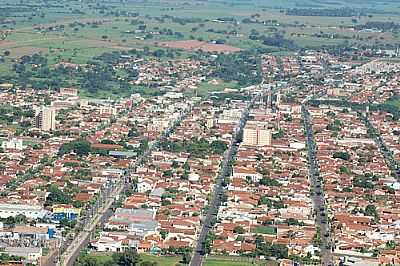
[(160, 260), (235, 261), (265, 230), (80, 41), (208, 87)]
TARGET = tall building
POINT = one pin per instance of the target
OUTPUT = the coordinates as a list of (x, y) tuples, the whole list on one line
[(257, 136), (264, 137), (45, 118)]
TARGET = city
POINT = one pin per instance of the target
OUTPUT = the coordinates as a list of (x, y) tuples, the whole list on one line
[(175, 155)]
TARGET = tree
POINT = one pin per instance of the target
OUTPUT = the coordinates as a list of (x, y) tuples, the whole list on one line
[(341, 155), (163, 234), (80, 147), (218, 147), (269, 182), (186, 257), (20, 219), (56, 196), (127, 258), (238, 230), (370, 210)]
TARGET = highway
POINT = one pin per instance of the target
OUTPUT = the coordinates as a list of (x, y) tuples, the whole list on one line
[(199, 252), (70, 249), (321, 219)]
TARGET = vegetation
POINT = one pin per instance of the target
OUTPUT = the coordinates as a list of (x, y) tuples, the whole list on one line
[(270, 250), (244, 68), (126, 258), (80, 147), (198, 148), (331, 12), (341, 155), (265, 230)]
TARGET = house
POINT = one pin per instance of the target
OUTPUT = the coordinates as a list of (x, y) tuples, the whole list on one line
[(246, 173)]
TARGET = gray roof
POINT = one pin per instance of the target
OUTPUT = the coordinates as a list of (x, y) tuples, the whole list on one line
[(22, 251), (126, 154), (158, 192)]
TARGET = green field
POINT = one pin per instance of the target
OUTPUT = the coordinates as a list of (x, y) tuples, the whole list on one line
[(79, 31), (264, 230), (235, 261), (82, 40), (103, 259), (161, 260)]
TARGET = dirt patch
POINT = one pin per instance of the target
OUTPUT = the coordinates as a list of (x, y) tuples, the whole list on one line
[(193, 45)]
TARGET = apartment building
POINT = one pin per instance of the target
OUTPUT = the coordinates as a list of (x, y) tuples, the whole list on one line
[(45, 119), (257, 136)]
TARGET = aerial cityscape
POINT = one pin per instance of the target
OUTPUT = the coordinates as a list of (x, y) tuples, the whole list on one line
[(199, 132)]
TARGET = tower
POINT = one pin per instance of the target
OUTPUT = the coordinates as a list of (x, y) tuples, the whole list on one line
[(45, 119)]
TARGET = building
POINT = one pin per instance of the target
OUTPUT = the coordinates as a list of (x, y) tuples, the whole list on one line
[(27, 232), (13, 144), (139, 222), (69, 92), (65, 211), (107, 110), (30, 211), (45, 119), (257, 136), (29, 253)]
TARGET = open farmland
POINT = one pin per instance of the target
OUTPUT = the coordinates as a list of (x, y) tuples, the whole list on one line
[(193, 45)]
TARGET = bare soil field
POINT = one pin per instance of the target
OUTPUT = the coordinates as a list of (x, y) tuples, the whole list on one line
[(193, 45)]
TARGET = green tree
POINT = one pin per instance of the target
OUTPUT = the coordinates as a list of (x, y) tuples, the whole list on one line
[(127, 258), (186, 257), (238, 230), (80, 147), (370, 210)]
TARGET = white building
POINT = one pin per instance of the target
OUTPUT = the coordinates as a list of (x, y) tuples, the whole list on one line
[(108, 110), (45, 118), (13, 144), (30, 211), (257, 136)]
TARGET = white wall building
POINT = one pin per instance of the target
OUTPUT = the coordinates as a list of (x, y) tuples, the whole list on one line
[(13, 144), (30, 211), (45, 118)]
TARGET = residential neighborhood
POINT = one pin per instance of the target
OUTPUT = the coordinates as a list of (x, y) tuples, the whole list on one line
[(264, 136)]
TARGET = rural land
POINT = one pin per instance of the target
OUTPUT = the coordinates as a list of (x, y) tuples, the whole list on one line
[(199, 132)]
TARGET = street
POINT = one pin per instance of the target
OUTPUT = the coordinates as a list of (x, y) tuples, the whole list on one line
[(71, 248), (200, 252), (321, 219)]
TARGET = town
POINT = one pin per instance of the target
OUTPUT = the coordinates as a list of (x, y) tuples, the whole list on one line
[(142, 173), (198, 152)]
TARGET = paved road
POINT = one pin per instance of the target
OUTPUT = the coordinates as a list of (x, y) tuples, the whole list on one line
[(318, 194), (199, 252), (385, 151), (73, 247)]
